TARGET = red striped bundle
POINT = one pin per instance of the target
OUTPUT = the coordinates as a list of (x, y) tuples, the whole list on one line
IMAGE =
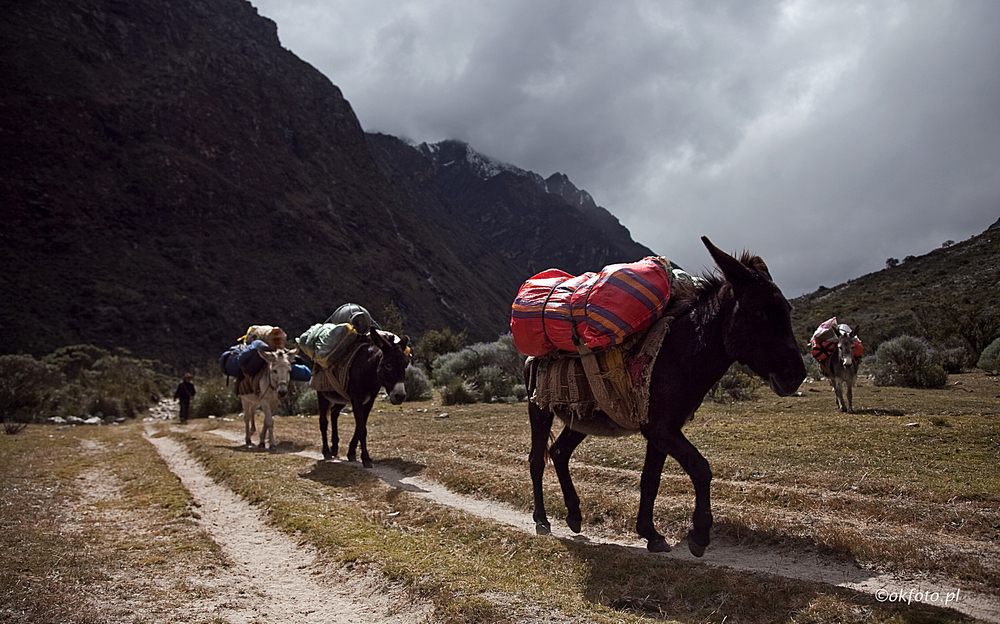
[(554, 310)]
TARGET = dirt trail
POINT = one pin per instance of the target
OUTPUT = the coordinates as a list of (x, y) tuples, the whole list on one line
[(284, 573), (752, 559)]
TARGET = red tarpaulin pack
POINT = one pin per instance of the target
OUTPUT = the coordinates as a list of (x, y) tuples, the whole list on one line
[(555, 310)]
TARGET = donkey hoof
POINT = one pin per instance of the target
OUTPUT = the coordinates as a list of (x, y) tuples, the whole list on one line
[(367, 463), (574, 524), (658, 545), (543, 528), (696, 549)]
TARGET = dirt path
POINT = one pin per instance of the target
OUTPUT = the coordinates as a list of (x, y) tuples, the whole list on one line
[(752, 559), (283, 573)]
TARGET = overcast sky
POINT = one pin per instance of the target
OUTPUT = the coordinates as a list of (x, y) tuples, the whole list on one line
[(824, 136)]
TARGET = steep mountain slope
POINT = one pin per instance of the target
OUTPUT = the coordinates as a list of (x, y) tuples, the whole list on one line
[(172, 175)]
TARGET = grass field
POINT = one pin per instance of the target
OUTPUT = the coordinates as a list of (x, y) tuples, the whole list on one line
[(908, 485)]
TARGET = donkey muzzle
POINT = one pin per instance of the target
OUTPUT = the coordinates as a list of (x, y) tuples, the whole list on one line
[(397, 394)]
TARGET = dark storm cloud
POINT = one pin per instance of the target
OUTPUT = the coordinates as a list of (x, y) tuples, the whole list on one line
[(825, 136)]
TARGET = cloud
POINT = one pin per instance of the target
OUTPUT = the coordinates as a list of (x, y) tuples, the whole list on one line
[(826, 136)]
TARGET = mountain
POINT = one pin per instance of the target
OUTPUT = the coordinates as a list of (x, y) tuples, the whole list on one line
[(947, 294), (531, 222), (172, 175)]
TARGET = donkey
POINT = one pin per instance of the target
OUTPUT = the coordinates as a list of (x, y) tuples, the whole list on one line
[(263, 391), (738, 316), (841, 367), (379, 364)]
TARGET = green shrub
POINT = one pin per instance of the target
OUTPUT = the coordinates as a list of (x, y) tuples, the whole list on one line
[(458, 392), (29, 390), (520, 392), (490, 369), (433, 344), (738, 384), (418, 387), (308, 403), (909, 362), (122, 386), (213, 397), (989, 361)]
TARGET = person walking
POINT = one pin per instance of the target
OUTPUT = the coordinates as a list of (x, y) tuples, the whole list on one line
[(184, 394)]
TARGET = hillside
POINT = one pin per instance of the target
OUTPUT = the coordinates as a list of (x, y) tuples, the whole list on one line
[(171, 175), (947, 293)]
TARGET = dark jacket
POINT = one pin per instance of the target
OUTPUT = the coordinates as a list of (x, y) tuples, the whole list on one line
[(184, 392)]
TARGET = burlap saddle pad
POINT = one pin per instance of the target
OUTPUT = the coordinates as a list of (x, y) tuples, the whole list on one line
[(615, 381)]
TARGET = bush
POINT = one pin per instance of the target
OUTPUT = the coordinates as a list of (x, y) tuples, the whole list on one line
[(308, 403), (214, 398), (418, 387), (122, 386), (738, 384), (909, 362), (459, 392), (491, 370), (29, 390), (434, 344), (520, 392), (989, 361)]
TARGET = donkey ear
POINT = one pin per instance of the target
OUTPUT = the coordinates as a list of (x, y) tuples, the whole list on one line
[(736, 274), (377, 338)]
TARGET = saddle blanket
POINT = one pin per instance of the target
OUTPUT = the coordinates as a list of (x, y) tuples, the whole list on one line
[(554, 310), (615, 380), (334, 379)]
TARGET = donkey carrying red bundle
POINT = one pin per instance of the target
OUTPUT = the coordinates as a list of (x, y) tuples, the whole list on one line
[(738, 316)]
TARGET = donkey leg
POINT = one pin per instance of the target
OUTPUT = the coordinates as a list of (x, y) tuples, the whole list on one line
[(838, 388), (248, 417), (850, 395), (560, 452), (324, 410), (269, 427), (541, 426), (361, 413), (696, 466), (649, 485)]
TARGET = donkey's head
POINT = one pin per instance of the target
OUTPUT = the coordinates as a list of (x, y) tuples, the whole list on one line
[(758, 332), (392, 365), (279, 367), (845, 345)]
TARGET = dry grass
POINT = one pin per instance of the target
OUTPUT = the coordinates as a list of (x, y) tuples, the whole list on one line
[(94, 529), (790, 472)]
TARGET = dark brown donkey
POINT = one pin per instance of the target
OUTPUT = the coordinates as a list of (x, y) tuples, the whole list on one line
[(738, 316), (380, 364)]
